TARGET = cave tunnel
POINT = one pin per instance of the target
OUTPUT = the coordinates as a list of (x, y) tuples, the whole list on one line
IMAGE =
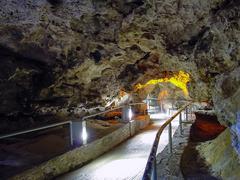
[(120, 89)]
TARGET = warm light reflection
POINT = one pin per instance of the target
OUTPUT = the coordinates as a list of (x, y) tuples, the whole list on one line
[(118, 169), (122, 93), (163, 94), (179, 79)]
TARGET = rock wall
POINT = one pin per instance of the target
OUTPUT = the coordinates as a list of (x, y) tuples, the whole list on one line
[(221, 158), (89, 43)]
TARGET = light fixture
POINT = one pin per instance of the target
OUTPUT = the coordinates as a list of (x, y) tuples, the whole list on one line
[(130, 114), (84, 133)]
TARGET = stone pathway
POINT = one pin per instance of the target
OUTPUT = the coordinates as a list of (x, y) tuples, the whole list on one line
[(168, 165)]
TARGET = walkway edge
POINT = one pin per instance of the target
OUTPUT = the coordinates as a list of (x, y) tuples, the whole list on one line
[(81, 155)]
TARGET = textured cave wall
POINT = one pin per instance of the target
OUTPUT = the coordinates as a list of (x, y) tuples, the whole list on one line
[(69, 54), (75, 42), (221, 158)]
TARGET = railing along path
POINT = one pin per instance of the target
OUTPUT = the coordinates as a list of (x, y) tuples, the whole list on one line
[(150, 172), (83, 120)]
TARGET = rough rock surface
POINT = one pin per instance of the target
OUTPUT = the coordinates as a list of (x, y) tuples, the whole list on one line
[(85, 51), (219, 155)]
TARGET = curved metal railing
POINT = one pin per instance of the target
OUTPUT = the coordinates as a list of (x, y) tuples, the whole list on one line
[(63, 123), (84, 119), (150, 172), (109, 110), (38, 129)]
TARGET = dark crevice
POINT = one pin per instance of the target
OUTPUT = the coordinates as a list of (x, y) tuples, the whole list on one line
[(55, 2), (96, 55), (225, 5), (196, 38), (186, 46), (26, 58), (126, 8), (22, 79)]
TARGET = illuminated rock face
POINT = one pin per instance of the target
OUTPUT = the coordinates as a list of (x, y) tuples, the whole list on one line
[(68, 54), (226, 95), (179, 79), (221, 157)]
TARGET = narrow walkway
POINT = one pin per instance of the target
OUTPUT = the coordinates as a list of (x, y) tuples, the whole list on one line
[(168, 165), (126, 161)]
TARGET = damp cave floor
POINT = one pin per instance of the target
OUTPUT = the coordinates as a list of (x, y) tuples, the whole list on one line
[(127, 161)]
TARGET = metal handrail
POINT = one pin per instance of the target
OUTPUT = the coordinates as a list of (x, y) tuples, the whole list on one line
[(109, 110), (37, 129), (150, 170), (169, 99), (62, 123)]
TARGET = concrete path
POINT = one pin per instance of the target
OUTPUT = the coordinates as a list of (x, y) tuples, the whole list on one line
[(126, 161)]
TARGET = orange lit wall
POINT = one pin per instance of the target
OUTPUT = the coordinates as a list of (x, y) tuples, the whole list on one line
[(163, 94)]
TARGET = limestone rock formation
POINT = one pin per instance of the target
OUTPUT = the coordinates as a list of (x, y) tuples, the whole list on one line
[(222, 159)]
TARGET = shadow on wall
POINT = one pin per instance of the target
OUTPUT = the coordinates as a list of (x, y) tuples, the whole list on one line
[(205, 127)]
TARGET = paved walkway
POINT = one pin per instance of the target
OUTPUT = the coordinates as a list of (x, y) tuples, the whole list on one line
[(126, 161)]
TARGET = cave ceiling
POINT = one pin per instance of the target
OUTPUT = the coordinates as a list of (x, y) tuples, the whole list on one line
[(82, 53)]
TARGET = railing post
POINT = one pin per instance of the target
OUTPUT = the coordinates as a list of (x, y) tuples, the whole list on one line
[(186, 111), (144, 110), (191, 112), (84, 133), (170, 137), (180, 124), (125, 114), (71, 133)]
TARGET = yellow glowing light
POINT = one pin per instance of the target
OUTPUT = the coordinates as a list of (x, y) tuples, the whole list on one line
[(179, 79)]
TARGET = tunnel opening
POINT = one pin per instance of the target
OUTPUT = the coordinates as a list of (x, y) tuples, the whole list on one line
[(179, 79)]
